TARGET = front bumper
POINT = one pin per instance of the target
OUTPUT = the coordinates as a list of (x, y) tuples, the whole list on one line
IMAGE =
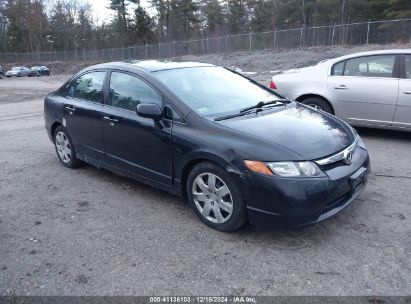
[(276, 201)]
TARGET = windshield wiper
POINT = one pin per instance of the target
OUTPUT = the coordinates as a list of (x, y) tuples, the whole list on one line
[(245, 111), (262, 104)]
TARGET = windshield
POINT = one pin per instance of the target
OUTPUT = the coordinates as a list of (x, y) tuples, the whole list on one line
[(15, 69), (212, 91)]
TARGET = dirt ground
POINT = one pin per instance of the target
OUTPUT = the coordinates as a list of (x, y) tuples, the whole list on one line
[(90, 232)]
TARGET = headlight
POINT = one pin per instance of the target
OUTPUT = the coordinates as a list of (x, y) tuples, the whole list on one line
[(285, 169), (291, 169)]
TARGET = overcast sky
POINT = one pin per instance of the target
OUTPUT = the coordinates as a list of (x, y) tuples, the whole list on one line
[(102, 14)]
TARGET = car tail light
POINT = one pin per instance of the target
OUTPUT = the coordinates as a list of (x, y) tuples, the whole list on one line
[(272, 85)]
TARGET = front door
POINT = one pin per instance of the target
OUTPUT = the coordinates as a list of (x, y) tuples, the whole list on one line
[(402, 118), (83, 106), (136, 144), (366, 90)]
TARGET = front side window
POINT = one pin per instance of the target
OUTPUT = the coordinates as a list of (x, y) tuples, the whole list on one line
[(212, 91), (88, 87), (370, 66), (408, 66), (127, 91)]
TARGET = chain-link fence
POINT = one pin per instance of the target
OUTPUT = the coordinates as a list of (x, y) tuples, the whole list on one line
[(373, 32)]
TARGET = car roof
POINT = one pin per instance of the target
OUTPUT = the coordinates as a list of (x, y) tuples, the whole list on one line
[(370, 53), (152, 65)]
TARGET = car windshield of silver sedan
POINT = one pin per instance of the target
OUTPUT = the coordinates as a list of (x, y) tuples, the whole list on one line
[(212, 91)]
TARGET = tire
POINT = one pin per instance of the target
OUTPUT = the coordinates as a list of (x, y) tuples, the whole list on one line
[(65, 149), (224, 212), (318, 104)]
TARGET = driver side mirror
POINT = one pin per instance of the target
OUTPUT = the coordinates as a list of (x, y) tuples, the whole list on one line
[(150, 110)]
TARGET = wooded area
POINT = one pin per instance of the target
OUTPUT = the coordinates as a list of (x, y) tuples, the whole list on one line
[(67, 25)]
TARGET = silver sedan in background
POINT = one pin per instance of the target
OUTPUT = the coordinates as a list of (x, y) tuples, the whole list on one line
[(18, 72), (371, 89)]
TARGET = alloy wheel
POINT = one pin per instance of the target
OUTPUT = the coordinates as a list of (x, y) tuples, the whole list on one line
[(316, 107), (63, 147), (213, 198)]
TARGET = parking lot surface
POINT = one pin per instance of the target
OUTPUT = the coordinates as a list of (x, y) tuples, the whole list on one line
[(90, 232)]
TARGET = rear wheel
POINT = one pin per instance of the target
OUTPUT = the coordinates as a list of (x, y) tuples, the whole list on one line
[(318, 104), (64, 148), (215, 198)]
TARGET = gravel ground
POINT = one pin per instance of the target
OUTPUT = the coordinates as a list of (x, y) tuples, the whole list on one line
[(90, 232)]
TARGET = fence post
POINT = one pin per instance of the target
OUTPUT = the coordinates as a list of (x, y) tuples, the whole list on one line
[(202, 45), (226, 44), (332, 39), (368, 31), (275, 40), (146, 50), (174, 48), (301, 37), (159, 50), (250, 42)]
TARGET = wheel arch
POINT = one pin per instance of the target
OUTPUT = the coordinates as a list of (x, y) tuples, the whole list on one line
[(311, 95), (53, 128), (194, 160)]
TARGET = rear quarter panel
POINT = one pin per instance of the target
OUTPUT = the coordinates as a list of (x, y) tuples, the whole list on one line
[(311, 80), (53, 112)]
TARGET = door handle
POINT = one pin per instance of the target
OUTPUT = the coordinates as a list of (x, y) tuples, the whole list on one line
[(341, 87), (112, 121), (407, 92), (70, 109)]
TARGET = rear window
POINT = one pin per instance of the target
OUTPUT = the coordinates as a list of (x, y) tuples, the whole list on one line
[(88, 87)]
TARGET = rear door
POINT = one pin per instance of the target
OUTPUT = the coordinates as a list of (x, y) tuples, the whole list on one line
[(365, 89), (132, 143), (402, 118), (83, 108)]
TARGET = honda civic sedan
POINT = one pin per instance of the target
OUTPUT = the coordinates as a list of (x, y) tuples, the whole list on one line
[(236, 150)]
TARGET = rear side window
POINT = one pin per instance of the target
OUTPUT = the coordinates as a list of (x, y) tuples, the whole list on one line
[(370, 66), (408, 66), (127, 91), (88, 87), (338, 69)]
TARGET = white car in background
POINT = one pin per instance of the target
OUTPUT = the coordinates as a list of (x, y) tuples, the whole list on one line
[(371, 89)]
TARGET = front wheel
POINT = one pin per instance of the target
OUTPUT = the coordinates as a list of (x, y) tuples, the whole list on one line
[(318, 104), (64, 148), (215, 198)]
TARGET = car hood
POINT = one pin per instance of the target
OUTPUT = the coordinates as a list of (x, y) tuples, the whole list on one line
[(309, 133), (12, 72)]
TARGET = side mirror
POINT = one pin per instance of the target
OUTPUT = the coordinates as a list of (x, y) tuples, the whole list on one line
[(150, 110)]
